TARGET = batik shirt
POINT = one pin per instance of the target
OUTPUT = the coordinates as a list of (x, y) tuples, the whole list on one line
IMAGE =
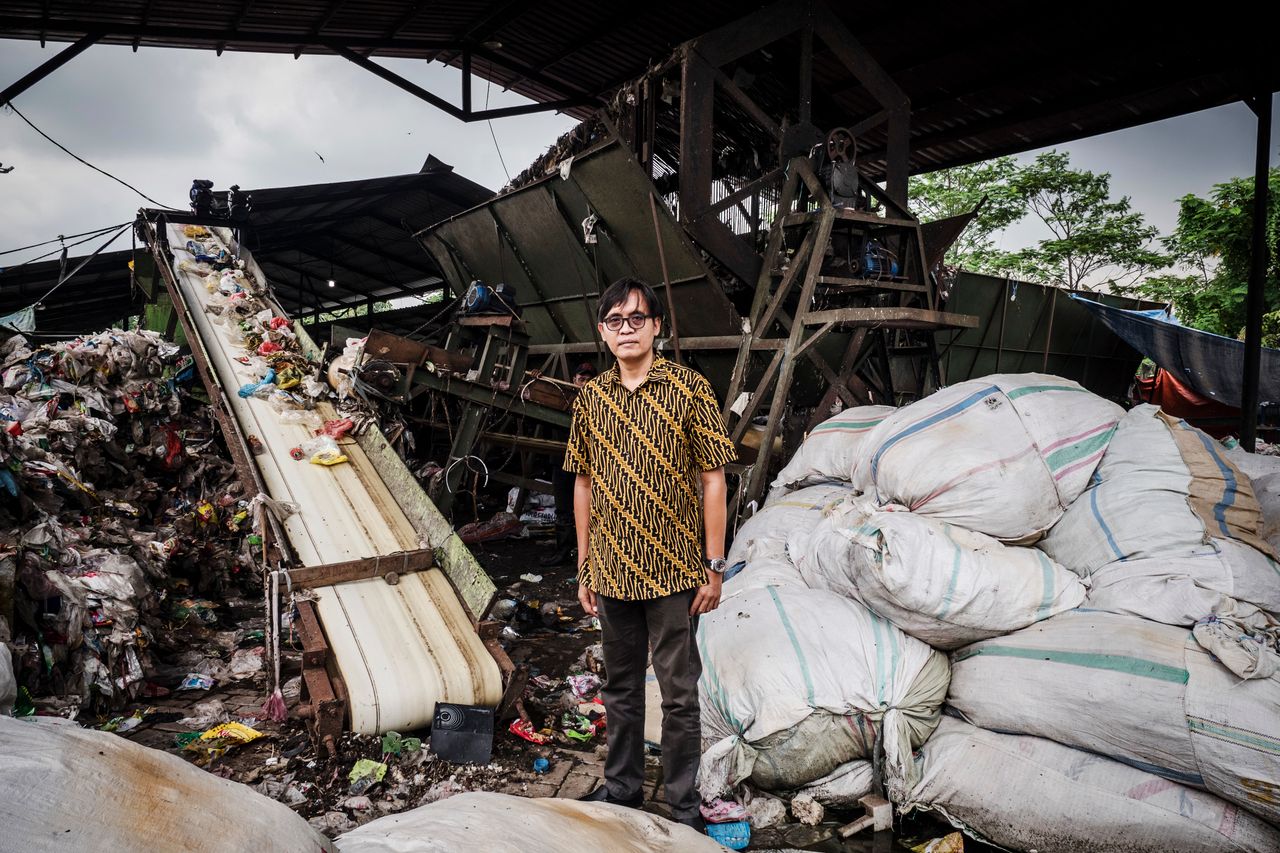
[(645, 450)]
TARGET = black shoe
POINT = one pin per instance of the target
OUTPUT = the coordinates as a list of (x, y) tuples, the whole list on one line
[(602, 795), (695, 823)]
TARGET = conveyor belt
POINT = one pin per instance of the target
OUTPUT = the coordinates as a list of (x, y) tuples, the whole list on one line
[(400, 649)]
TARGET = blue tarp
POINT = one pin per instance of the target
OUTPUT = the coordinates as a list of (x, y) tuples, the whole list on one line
[(1211, 365)]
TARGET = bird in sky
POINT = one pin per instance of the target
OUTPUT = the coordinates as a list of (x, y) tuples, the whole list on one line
[(317, 153)]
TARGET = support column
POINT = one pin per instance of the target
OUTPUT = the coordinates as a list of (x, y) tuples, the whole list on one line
[(1256, 302)]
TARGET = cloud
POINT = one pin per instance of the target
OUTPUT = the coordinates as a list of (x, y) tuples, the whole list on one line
[(161, 117)]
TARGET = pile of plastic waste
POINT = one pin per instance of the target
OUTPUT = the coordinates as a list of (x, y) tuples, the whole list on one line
[(1012, 603), (117, 504)]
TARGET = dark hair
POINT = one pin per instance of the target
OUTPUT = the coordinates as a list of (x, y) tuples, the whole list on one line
[(621, 290)]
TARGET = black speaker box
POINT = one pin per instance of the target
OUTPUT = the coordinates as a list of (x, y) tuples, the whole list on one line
[(462, 734)]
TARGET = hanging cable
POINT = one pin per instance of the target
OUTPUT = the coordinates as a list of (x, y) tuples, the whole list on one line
[(67, 277), (488, 83), (58, 251), (62, 237), (86, 162)]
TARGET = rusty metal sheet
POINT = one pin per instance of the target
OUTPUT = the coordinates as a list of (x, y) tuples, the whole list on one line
[(532, 239)]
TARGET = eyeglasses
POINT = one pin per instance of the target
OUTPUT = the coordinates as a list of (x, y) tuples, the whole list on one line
[(636, 321)]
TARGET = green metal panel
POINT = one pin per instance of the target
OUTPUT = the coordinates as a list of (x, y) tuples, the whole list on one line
[(1015, 336), (532, 239)]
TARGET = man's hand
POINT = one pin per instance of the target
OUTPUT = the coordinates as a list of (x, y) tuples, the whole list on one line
[(587, 598), (708, 597)]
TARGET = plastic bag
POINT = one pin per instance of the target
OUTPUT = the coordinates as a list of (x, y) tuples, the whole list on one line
[(323, 450)]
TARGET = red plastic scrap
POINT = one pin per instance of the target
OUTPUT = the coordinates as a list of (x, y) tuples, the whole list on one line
[(278, 322), (524, 729), (336, 428)]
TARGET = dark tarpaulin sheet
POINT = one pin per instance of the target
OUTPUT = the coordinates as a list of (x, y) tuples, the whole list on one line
[(1211, 365)]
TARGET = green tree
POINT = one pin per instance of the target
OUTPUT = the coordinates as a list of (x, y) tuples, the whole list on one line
[(1213, 243), (1090, 232), (950, 192)]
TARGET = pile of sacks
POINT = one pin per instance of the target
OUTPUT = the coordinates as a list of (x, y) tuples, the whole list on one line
[(1016, 605), (111, 484)]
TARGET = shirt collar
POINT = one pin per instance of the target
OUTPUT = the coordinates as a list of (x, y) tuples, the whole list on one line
[(658, 371)]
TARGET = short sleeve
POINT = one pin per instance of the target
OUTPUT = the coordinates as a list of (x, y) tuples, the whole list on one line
[(708, 440), (577, 453)]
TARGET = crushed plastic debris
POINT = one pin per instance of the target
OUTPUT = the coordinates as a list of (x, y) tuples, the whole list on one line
[(524, 729), (584, 685), (215, 742), (366, 773)]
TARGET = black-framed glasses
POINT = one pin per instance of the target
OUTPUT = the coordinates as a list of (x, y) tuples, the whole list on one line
[(636, 321)]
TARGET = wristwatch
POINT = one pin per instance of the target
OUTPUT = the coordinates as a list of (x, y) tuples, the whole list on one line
[(717, 565)]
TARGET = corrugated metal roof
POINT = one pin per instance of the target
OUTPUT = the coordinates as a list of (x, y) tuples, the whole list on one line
[(984, 79), (358, 233)]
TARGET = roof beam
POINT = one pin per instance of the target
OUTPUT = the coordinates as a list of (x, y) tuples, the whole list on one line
[(49, 66), (70, 25)]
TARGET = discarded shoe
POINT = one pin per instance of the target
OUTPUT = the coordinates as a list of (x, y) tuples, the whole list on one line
[(602, 795)]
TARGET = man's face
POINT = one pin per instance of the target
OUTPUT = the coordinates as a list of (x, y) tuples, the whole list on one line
[(628, 342)]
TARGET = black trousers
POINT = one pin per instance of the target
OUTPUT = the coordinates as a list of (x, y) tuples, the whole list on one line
[(630, 629)]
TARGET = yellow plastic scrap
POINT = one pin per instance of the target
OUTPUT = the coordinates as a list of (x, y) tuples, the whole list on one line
[(953, 843), (328, 458), (236, 732), (195, 231), (215, 742)]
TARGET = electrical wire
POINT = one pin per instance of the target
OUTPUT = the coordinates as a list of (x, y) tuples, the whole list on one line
[(488, 83), (93, 236), (86, 162), (64, 279), (62, 237)]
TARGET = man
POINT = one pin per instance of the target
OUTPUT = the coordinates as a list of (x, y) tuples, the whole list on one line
[(562, 483), (646, 438)]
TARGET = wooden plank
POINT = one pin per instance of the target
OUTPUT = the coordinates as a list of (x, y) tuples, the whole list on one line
[(712, 342), (399, 350), (367, 567), (516, 677), (315, 649), (892, 318), (847, 214), (506, 321), (871, 283)]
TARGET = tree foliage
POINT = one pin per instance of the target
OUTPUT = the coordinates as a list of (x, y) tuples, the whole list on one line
[(951, 192), (1090, 232), (1213, 242)]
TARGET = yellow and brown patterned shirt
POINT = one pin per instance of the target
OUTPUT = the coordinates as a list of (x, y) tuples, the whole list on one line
[(644, 450)]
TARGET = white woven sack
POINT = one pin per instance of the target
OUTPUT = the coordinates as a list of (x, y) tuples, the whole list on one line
[(779, 658), (844, 786), (938, 582), (67, 788), (1169, 526), (502, 823), (1003, 455), (1134, 690), (832, 448), (761, 542), (1026, 793)]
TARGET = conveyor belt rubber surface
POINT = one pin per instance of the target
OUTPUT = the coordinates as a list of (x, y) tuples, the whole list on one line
[(400, 649)]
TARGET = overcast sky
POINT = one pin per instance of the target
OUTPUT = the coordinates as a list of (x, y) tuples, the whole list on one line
[(158, 118)]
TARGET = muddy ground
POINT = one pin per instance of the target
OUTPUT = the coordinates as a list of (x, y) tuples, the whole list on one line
[(549, 633)]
